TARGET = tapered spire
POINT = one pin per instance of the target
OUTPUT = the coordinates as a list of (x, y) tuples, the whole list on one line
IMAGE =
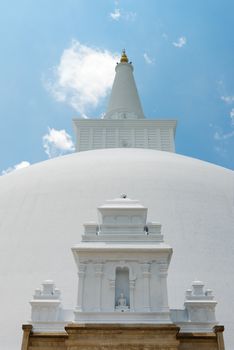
[(124, 101)]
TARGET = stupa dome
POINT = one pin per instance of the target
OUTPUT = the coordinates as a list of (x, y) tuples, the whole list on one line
[(43, 209)]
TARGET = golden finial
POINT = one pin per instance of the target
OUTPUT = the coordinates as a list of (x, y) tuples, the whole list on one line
[(124, 57)]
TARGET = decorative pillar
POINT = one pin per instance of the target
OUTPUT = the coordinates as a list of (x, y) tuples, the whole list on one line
[(146, 285), (146, 143), (163, 267), (131, 292), (81, 277), (112, 287), (117, 138), (158, 139), (104, 138), (98, 267), (91, 133)]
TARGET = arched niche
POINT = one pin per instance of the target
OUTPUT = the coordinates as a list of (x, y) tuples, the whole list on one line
[(122, 285)]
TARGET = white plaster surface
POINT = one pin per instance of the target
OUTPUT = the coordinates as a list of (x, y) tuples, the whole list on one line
[(125, 133), (43, 208)]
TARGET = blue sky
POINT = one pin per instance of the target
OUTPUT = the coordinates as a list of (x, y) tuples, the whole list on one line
[(182, 52)]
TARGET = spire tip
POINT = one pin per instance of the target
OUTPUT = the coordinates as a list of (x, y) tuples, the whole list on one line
[(124, 57)]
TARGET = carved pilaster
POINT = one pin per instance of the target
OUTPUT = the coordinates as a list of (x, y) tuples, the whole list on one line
[(131, 289), (145, 268), (81, 277), (163, 267), (112, 289), (98, 268)]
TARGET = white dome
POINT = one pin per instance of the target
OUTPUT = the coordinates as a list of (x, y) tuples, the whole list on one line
[(43, 208)]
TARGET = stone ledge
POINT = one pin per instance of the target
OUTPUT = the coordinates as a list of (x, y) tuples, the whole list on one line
[(132, 326)]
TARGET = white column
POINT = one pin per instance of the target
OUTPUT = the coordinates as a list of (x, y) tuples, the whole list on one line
[(172, 140), (91, 132), (104, 138), (163, 267), (117, 137), (78, 139), (158, 139), (112, 287), (132, 137), (98, 267), (146, 138), (131, 287), (81, 277), (145, 267)]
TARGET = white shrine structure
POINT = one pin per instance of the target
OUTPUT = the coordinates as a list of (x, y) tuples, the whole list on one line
[(122, 264), (129, 260)]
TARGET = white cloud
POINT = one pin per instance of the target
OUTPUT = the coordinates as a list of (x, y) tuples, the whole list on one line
[(118, 14), (83, 77), (225, 138), (221, 150), (220, 136), (115, 15), (180, 42), (228, 99), (223, 143), (57, 143), (21, 165), (232, 116), (148, 60), (129, 16)]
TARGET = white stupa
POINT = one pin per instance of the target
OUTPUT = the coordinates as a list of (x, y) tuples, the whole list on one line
[(43, 208)]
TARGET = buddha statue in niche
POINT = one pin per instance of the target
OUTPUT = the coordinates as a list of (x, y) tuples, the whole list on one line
[(122, 303)]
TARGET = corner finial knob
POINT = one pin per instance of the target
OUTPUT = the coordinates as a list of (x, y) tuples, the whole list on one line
[(124, 57), (123, 195)]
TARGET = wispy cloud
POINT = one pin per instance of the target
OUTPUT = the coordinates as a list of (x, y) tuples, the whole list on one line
[(220, 136), (222, 151), (180, 42), (232, 117), (129, 16), (148, 59), (224, 143), (83, 77), (120, 14), (21, 165), (228, 99), (57, 143), (224, 139), (223, 133), (115, 15)]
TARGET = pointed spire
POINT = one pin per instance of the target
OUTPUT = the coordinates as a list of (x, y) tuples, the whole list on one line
[(124, 101), (124, 57)]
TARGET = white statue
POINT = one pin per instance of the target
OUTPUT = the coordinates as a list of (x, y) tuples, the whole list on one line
[(122, 303), (122, 300)]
